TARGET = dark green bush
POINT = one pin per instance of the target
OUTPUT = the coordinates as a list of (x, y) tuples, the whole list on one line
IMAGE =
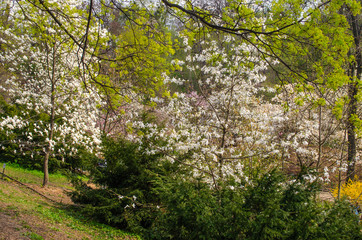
[(194, 211), (124, 178), (144, 194), (270, 208)]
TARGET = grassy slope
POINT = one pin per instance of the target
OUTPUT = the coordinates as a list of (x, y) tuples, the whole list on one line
[(24, 214)]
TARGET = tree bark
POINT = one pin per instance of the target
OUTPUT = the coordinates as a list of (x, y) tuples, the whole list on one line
[(52, 120), (351, 131), (46, 169), (355, 73), (50, 137), (319, 137)]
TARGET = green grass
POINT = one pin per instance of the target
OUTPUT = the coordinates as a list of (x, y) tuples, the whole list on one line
[(18, 201), (33, 236), (33, 176)]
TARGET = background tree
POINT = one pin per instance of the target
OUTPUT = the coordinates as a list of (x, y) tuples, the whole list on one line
[(354, 72)]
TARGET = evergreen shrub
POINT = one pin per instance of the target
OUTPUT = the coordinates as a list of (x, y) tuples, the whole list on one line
[(159, 200)]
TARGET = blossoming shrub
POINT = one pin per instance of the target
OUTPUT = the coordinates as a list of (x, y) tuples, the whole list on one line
[(352, 190), (14, 148)]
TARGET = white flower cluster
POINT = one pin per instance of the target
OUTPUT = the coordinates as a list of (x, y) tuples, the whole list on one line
[(223, 125), (48, 81)]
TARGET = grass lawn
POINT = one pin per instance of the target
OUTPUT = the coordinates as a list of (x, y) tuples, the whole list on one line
[(25, 214)]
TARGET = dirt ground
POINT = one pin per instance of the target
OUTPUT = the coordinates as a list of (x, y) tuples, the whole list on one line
[(57, 194), (326, 196), (15, 225)]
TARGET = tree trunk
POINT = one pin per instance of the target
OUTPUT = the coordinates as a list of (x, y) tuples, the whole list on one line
[(51, 134), (46, 169), (351, 131), (355, 73), (52, 121), (319, 137)]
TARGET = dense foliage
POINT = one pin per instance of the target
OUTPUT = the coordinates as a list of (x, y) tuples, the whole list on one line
[(269, 209), (192, 119), (123, 195), (162, 204)]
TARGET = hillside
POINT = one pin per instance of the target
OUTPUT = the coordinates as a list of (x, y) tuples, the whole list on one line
[(31, 212)]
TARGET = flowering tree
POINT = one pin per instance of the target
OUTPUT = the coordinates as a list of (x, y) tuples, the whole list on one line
[(316, 42), (58, 104), (221, 126)]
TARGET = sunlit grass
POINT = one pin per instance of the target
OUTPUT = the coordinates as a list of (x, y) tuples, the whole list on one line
[(32, 176), (21, 201)]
